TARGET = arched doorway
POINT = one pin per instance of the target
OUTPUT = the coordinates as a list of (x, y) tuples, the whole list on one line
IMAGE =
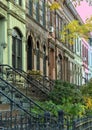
[(29, 53), (16, 48)]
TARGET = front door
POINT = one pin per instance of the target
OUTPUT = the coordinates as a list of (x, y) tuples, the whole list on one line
[(29, 53), (51, 64), (59, 67)]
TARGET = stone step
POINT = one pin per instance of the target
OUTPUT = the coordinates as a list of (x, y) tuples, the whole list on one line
[(4, 107), (8, 113)]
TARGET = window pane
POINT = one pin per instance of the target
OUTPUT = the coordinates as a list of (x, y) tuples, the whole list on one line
[(19, 53), (30, 7), (16, 49), (38, 59), (37, 11), (43, 13), (13, 51), (20, 2)]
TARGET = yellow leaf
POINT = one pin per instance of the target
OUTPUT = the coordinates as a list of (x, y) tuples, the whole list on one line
[(55, 5)]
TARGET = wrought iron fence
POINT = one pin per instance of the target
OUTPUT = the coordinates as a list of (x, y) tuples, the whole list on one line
[(83, 123), (24, 122)]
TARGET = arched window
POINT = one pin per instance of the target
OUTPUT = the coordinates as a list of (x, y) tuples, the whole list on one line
[(16, 49)]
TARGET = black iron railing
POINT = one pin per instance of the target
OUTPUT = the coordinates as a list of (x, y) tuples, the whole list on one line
[(20, 78), (21, 119), (15, 94), (83, 123), (45, 81), (13, 117), (42, 82)]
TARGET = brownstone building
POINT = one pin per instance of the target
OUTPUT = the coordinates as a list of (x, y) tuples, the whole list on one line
[(45, 50), (37, 36)]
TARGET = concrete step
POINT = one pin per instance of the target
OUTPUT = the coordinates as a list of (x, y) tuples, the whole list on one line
[(8, 113), (4, 107)]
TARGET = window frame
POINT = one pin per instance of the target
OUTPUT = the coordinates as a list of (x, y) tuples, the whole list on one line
[(16, 49)]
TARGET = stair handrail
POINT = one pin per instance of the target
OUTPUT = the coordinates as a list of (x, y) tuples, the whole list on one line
[(43, 76), (36, 116), (47, 77), (22, 94), (11, 100), (31, 77), (46, 116), (15, 70)]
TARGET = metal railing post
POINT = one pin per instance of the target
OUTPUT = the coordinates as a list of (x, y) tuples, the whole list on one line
[(11, 115), (47, 120), (73, 126), (61, 119)]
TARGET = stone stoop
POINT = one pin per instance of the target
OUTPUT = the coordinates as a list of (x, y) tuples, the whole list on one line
[(4, 107), (33, 93), (8, 113)]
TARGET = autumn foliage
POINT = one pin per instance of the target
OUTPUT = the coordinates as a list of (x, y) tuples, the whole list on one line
[(54, 6), (73, 29)]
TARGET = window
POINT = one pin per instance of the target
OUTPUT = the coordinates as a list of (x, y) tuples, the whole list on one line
[(38, 56), (29, 53), (67, 36), (44, 60), (59, 66), (16, 49), (15, 1), (80, 48), (30, 7), (78, 44), (20, 2), (37, 9), (51, 20), (43, 13), (90, 41), (59, 24), (13, 51), (91, 59)]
